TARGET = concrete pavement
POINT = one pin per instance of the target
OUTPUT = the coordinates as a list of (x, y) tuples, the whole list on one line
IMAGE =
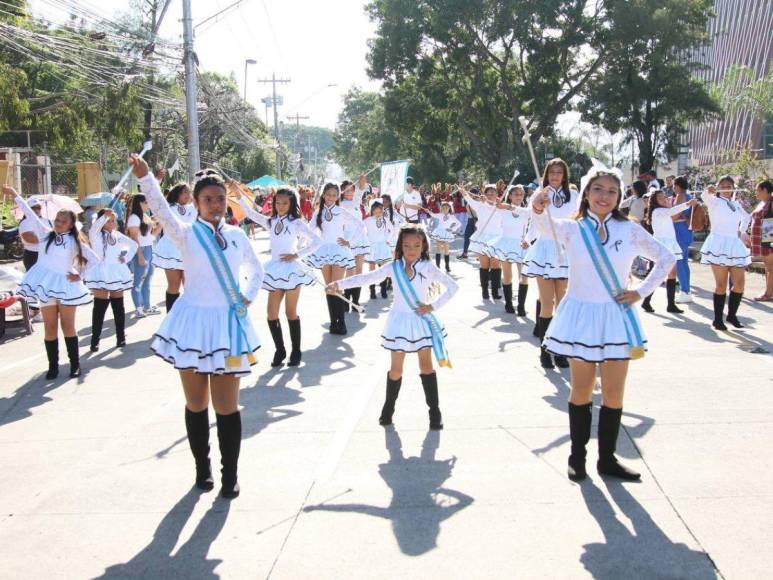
[(96, 473)]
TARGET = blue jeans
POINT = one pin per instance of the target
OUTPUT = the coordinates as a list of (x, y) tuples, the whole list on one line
[(684, 239), (142, 276)]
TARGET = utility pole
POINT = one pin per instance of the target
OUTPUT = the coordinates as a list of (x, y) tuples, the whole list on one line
[(273, 80), (297, 118), (194, 160), (247, 62)]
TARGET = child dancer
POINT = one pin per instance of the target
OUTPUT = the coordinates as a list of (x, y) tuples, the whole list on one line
[(284, 273), (351, 201), (489, 227), (411, 326), (444, 232), (110, 277), (380, 232), (54, 282)]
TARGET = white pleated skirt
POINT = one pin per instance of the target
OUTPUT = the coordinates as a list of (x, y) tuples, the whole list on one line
[(279, 275), (589, 331), (507, 250), (361, 247), (542, 259), (479, 243), (166, 255), (672, 245), (727, 251), (380, 253), (442, 235), (331, 255), (113, 277), (195, 338), (406, 332), (49, 288)]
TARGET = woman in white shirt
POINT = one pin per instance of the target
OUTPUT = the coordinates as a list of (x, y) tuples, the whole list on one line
[(140, 229)]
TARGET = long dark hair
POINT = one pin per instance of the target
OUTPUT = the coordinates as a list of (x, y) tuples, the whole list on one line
[(564, 182), (72, 232), (412, 230), (173, 195), (328, 185), (390, 210), (585, 204), (294, 212), (136, 209), (652, 205)]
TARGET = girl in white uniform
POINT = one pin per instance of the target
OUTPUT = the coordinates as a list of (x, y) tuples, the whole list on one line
[(110, 277), (208, 335), (166, 255), (446, 226), (411, 326), (489, 228), (292, 239), (394, 217), (595, 324), (659, 218), (545, 260), (334, 256), (510, 248), (724, 250), (380, 233), (351, 200), (55, 282)]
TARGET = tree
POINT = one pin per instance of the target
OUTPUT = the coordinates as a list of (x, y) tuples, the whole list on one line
[(741, 91), (646, 86)]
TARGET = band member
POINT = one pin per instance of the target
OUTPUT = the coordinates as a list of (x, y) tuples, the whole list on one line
[(446, 226), (351, 200), (489, 227), (380, 233)]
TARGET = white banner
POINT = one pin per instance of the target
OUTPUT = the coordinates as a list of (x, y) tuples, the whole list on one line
[(393, 176)]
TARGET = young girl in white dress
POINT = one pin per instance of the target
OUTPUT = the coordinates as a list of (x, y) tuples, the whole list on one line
[(446, 226), (292, 239), (334, 257), (207, 336), (411, 325), (165, 254), (510, 247), (380, 233), (725, 251), (351, 200), (596, 325), (55, 281), (546, 260), (659, 218), (489, 228), (110, 277)]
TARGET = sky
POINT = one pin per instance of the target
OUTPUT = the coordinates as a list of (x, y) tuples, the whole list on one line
[(314, 43)]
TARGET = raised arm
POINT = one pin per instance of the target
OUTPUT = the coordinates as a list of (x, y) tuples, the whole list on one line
[(95, 235), (253, 269), (653, 250), (366, 279), (255, 216), (677, 209), (450, 285), (354, 222), (40, 229)]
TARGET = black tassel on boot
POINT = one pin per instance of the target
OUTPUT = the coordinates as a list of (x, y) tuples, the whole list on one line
[(71, 342), (719, 312), (580, 418), (197, 427), (429, 382), (279, 345), (119, 317), (671, 296), (52, 352), (295, 341), (229, 435), (496, 281), (97, 321), (484, 277), (507, 290), (392, 391), (523, 290), (732, 309)]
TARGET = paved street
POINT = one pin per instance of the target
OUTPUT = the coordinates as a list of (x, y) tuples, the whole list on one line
[(96, 473)]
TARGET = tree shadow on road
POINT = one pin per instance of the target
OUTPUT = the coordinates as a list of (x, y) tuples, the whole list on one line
[(416, 510), (190, 561), (645, 552)]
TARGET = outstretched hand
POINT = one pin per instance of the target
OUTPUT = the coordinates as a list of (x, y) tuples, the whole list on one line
[(9, 192), (139, 166)]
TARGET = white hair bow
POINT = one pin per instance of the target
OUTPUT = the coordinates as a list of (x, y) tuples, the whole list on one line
[(597, 168)]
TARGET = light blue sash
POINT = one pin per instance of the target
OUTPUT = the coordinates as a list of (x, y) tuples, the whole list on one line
[(431, 322), (237, 316), (606, 273)]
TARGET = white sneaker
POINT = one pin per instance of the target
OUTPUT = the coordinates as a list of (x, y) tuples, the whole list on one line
[(139, 313), (683, 298), (152, 310)]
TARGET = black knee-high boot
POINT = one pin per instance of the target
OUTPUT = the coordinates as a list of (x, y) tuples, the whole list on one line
[(356, 297), (383, 286), (544, 356), (647, 304), (119, 317), (197, 427), (170, 300), (392, 391), (279, 345), (429, 383), (347, 294), (295, 341), (229, 436), (97, 321), (339, 306), (437, 260), (496, 281), (372, 289), (484, 277), (332, 313), (52, 352), (71, 342), (732, 308), (719, 312), (609, 427), (447, 260), (507, 290), (671, 296), (537, 311), (580, 418), (523, 290)]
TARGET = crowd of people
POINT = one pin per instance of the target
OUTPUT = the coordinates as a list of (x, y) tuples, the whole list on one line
[(580, 242)]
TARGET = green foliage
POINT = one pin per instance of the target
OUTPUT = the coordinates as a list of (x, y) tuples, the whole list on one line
[(741, 91)]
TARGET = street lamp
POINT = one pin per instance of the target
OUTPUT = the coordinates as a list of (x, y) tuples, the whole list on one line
[(247, 62)]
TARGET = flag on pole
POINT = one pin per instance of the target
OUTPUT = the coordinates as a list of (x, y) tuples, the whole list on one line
[(393, 174), (174, 168)]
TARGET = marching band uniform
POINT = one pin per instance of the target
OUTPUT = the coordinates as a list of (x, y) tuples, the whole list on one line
[(166, 255), (444, 230), (663, 230), (380, 233), (489, 228), (111, 274), (542, 259), (360, 243), (508, 247)]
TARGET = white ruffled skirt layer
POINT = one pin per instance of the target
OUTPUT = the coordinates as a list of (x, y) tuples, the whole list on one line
[(380, 253), (194, 337), (113, 277), (361, 247), (406, 332), (507, 250), (672, 245), (728, 251), (331, 255), (542, 259), (166, 255), (442, 236), (279, 275), (479, 243), (48, 288), (589, 331)]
